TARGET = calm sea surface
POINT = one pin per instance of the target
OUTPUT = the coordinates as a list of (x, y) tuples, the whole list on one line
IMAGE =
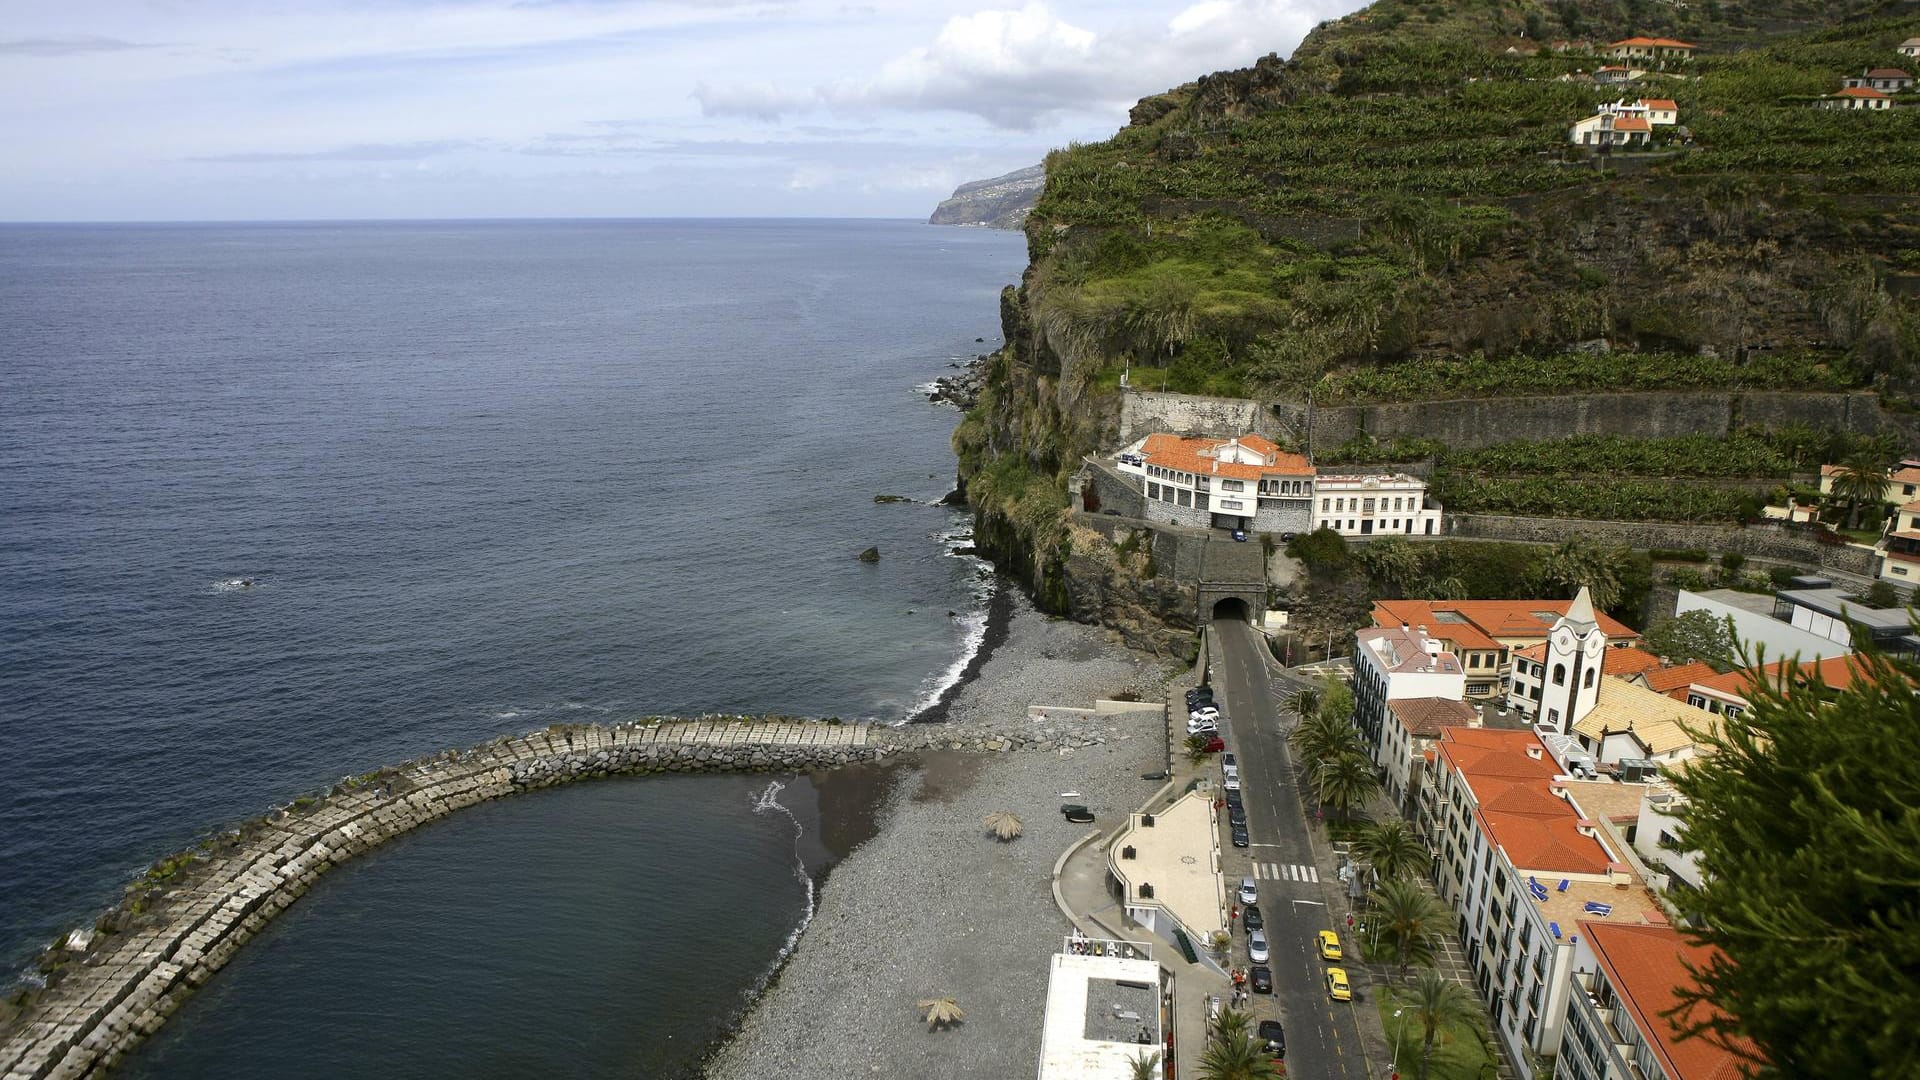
[(483, 477)]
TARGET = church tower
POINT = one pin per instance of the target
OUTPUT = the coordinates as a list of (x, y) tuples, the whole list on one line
[(1576, 648)]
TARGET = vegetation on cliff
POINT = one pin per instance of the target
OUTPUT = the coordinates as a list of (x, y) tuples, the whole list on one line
[(1396, 214)]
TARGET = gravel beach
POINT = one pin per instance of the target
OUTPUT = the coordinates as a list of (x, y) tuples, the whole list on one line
[(931, 906)]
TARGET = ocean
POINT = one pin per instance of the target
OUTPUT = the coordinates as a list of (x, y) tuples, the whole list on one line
[(284, 502)]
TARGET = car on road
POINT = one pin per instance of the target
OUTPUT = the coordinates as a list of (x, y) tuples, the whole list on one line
[(1202, 727), (1198, 696), (1250, 917), (1233, 798), (1274, 1036), (1204, 712), (1257, 946), (1232, 783), (1249, 892), (1329, 945), (1230, 771), (1337, 987), (1262, 979), (1229, 762), (1240, 837), (1213, 746), (1240, 535), (1236, 815)]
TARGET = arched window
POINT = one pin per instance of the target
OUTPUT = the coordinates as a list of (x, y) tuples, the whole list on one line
[(1587, 682), (1559, 674)]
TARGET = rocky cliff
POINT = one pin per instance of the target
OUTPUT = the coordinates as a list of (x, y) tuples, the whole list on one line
[(1397, 214), (1000, 203)]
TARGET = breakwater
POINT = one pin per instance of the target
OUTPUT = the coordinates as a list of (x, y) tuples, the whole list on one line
[(111, 985)]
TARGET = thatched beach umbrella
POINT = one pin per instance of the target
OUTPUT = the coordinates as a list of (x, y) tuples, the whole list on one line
[(941, 1012), (1003, 825)]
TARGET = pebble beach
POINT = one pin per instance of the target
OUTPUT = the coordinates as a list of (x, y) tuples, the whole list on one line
[(931, 906)]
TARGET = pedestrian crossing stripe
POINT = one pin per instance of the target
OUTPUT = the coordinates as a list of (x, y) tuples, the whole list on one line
[(1286, 872)]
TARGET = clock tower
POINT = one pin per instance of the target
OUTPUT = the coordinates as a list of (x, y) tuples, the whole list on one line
[(1576, 650)]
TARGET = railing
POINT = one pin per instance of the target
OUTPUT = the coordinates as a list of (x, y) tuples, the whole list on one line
[(1081, 945)]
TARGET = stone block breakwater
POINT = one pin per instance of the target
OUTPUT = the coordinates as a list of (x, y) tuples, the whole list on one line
[(108, 988)]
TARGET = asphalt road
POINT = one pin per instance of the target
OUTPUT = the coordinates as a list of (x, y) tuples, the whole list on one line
[(1323, 1036)]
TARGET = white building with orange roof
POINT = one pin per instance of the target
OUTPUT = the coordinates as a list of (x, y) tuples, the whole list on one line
[(1624, 1020), (1521, 864), (1903, 483), (1530, 672), (1900, 548), (1650, 48), (1615, 75), (1375, 504), (1607, 130), (1729, 694), (1394, 667), (1485, 634), (1885, 80), (1855, 97), (1246, 482)]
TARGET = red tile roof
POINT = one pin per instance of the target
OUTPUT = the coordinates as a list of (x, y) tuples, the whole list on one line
[(1662, 104), (1673, 681), (1425, 717), (1487, 620), (1517, 808), (1887, 73), (1632, 123), (1669, 42), (1646, 966), (1625, 662), (1192, 456), (1837, 672), (1860, 92)]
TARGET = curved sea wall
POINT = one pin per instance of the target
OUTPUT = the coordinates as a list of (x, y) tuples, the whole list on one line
[(109, 987)]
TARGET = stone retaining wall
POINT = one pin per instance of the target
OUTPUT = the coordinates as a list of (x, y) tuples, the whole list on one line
[(106, 994), (1765, 541)]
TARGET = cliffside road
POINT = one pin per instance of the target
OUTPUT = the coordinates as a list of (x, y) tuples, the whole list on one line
[(1325, 1039)]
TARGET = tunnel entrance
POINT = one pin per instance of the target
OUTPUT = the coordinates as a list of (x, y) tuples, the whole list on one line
[(1233, 608)]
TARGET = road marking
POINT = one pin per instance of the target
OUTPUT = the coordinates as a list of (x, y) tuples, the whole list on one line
[(1286, 872)]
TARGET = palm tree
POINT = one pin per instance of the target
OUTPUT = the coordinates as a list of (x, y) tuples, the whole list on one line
[(1232, 1053), (1322, 738), (941, 1012), (1862, 479), (1305, 703), (1003, 826), (1345, 782), (1394, 849), (1437, 1003), (1147, 1066), (1581, 562), (1409, 917)]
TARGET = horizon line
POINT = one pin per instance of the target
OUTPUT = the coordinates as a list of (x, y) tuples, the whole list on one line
[(35, 222)]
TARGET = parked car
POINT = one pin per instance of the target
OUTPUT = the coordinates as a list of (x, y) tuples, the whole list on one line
[(1240, 535), (1337, 986), (1214, 745), (1237, 815), (1251, 919), (1202, 727), (1240, 837), (1232, 783), (1229, 772), (1204, 712), (1233, 798), (1230, 762), (1257, 946), (1198, 696), (1329, 945), (1249, 891), (1274, 1036), (1262, 979)]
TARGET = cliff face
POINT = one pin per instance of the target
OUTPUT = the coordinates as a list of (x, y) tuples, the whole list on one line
[(1397, 214), (1000, 203)]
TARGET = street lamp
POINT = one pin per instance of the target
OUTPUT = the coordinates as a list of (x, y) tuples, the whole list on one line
[(1398, 1030)]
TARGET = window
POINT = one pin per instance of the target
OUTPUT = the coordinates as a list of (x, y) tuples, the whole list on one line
[(1587, 683), (1326, 505), (1553, 716), (1696, 701), (1367, 507), (1900, 571), (1232, 485), (1559, 674), (1733, 711)]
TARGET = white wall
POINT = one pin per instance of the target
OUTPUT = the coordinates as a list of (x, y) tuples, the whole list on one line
[(1646, 840), (1752, 629)]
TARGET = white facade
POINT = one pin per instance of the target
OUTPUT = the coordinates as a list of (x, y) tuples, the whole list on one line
[(1659, 827), (1394, 664), (1780, 639), (1384, 504), (1910, 47), (1241, 483)]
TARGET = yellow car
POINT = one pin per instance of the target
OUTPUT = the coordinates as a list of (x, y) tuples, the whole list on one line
[(1337, 988), (1329, 945)]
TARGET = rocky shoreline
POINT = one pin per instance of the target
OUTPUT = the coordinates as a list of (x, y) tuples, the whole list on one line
[(930, 906), (961, 391)]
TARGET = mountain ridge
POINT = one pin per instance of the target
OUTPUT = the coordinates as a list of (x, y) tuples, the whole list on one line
[(1000, 202)]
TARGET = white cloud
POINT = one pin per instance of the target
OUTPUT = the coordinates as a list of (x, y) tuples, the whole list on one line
[(1020, 68)]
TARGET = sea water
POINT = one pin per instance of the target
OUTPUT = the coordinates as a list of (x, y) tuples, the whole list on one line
[(282, 503)]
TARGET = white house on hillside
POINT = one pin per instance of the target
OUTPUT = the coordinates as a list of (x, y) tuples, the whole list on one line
[(1885, 80), (1910, 47), (1240, 483), (1375, 504)]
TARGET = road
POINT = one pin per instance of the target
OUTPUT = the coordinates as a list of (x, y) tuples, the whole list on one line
[(1323, 1036)]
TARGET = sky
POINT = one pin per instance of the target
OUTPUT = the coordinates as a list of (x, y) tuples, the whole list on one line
[(117, 110)]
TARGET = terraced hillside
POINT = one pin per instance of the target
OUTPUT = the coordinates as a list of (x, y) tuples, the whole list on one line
[(1396, 215)]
